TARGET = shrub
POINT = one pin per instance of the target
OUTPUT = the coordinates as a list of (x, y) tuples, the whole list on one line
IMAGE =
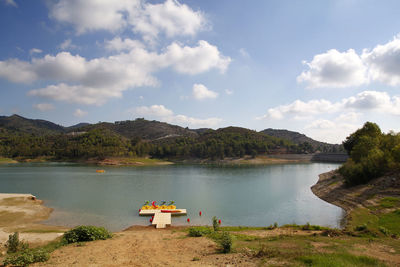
[(13, 243), (267, 252), (361, 227), (26, 257), (199, 231), (226, 242), (383, 230), (215, 224), (86, 233)]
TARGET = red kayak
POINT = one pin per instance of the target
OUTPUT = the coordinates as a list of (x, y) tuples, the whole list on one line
[(171, 211)]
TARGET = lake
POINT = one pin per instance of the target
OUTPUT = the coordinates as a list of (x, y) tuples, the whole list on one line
[(239, 195)]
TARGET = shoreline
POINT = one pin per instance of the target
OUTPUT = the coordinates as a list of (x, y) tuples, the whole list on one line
[(332, 189), (146, 161), (23, 213)]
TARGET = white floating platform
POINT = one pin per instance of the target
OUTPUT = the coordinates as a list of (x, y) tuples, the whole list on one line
[(153, 212), (162, 218)]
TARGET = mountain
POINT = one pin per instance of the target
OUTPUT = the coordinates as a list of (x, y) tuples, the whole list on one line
[(299, 138), (16, 123), (144, 129)]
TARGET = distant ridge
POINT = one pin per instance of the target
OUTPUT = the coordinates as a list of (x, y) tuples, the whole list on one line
[(156, 131), (16, 123), (299, 138)]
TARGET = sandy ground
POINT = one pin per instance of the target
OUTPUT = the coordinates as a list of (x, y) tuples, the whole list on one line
[(146, 246), (20, 213)]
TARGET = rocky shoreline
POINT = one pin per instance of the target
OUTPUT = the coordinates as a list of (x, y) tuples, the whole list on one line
[(332, 189)]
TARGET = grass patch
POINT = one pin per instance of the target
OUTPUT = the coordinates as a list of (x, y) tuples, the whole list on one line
[(389, 202), (42, 231), (338, 260), (390, 221), (7, 160)]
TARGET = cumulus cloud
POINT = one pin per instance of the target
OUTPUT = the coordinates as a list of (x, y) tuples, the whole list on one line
[(43, 106), (334, 69), (384, 62), (345, 69), (194, 60), (80, 113), (162, 113), (78, 80), (170, 18), (117, 44), (365, 101), (35, 51), (154, 110), (200, 92), (374, 100), (299, 108)]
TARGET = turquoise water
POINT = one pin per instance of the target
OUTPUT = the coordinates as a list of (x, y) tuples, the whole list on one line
[(251, 195)]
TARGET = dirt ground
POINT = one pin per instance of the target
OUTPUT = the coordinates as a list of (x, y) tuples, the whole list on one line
[(20, 213), (147, 246)]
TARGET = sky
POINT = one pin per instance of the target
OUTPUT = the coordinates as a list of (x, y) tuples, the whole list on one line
[(322, 68)]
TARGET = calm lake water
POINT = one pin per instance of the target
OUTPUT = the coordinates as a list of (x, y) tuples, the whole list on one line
[(251, 195)]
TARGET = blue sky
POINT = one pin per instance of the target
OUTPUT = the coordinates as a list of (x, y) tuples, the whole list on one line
[(322, 68)]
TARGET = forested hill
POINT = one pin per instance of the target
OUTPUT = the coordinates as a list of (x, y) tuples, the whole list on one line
[(21, 137), (141, 128), (16, 123), (298, 138)]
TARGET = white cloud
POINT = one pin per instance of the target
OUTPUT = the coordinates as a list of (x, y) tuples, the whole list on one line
[(170, 18), (78, 80), (35, 51), (43, 106), (11, 3), (364, 101), (154, 110), (80, 113), (194, 60), (384, 62), (344, 69), (92, 15), (117, 44), (300, 109), (200, 92), (76, 94), (374, 100), (332, 131), (167, 115), (67, 44), (334, 69)]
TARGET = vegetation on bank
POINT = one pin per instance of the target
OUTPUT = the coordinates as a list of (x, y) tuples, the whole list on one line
[(372, 154), (24, 138), (20, 254)]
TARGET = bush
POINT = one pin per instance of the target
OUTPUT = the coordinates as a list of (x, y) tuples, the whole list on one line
[(384, 231), (13, 243), (26, 257), (199, 231), (226, 242), (361, 227), (215, 224), (86, 233)]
